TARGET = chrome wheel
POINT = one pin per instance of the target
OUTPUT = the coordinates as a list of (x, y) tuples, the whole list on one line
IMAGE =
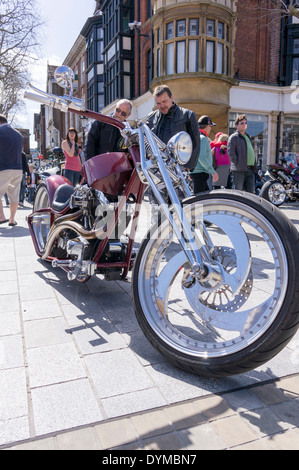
[(276, 193), (191, 318)]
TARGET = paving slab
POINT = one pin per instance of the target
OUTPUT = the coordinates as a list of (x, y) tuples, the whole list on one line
[(77, 373)]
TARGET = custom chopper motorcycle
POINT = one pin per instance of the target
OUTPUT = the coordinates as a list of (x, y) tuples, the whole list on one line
[(283, 184), (214, 283)]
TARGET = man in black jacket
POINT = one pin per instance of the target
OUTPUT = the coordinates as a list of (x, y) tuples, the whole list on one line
[(165, 122), (102, 137), (169, 119)]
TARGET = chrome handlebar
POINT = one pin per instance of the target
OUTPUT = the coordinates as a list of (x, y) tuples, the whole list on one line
[(63, 103)]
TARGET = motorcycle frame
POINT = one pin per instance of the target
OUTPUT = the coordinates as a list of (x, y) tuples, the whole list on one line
[(134, 186)]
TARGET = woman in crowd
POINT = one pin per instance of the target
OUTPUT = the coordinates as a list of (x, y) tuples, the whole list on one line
[(221, 161), (70, 147)]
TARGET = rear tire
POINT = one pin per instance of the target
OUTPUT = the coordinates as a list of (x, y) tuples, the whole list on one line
[(41, 199), (209, 332)]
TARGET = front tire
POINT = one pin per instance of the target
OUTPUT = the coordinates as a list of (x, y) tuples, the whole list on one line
[(274, 192), (232, 328)]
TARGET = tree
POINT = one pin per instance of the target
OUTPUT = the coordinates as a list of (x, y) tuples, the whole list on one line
[(290, 8), (19, 46), (282, 7)]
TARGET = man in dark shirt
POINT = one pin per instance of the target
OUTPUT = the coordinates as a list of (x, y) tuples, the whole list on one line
[(11, 143), (102, 137)]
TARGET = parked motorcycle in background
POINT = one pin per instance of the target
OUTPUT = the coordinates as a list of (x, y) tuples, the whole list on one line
[(260, 178), (283, 184), (214, 284)]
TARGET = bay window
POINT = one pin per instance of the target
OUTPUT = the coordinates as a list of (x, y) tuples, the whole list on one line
[(194, 45)]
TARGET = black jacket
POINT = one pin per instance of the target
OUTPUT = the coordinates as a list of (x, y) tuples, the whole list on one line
[(101, 138), (176, 120)]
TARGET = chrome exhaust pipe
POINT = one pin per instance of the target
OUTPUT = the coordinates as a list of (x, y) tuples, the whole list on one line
[(70, 225)]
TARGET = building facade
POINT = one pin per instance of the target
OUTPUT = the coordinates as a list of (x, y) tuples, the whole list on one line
[(219, 57)]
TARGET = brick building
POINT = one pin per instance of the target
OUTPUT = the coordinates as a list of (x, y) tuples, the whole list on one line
[(219, 57)]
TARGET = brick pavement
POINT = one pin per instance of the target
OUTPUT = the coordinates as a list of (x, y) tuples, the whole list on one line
[(75, 374)]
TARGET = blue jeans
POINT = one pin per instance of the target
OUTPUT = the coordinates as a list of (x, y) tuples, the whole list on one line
[(73, 176), (244, 180), (22, 189), (31, 192)]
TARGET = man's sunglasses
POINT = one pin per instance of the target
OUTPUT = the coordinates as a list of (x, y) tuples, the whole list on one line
[(243, 122), (118, 110)]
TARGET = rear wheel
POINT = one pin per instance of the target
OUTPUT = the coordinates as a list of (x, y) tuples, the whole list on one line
[(274, 192), (41, 200), (240, 323)]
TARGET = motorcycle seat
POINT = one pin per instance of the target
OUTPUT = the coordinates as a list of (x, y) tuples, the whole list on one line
[(62, 197)]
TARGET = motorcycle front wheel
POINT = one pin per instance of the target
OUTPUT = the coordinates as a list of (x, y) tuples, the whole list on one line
[(274, 192), (247, 319)]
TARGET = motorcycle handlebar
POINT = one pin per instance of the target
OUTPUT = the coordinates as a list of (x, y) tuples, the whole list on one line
[(63, 103), (66, 103)]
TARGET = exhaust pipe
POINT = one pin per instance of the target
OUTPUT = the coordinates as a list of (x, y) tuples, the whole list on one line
[(284, 177), (70, 225)]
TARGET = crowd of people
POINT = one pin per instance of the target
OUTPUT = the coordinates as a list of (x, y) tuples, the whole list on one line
[(225, 162)]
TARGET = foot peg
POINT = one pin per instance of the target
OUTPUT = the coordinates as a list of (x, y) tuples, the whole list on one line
[(77, 267)]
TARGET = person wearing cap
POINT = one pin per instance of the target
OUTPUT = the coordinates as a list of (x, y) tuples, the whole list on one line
[(242, 156), (204, 167)]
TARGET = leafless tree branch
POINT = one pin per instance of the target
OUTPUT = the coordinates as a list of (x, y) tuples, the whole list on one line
[(19, 47)]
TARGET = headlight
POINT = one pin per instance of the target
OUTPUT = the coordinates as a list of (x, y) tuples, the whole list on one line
[(181, 145)]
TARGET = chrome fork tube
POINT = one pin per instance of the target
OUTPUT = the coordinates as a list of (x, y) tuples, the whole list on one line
[(183, 232)]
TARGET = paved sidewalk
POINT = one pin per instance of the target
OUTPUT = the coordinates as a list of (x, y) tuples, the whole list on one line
[(77, 373)]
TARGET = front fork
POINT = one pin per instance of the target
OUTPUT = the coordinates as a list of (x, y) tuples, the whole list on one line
[(201, 264)]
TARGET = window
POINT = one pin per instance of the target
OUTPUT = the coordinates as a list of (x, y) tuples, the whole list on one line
[(181, 28), (193, 27), (219, 68), (291, 56), (169, 31), (181, 53), (184, 55), (193, 56), (210, 28), (220, 33), (295, 74), (158, 62), (290, 140), (169, 61), (295, 65), (210, 53)]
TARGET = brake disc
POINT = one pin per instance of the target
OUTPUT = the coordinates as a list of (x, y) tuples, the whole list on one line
[(222, 298)]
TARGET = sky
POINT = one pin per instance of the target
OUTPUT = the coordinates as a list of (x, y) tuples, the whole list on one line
[(63, 20)]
